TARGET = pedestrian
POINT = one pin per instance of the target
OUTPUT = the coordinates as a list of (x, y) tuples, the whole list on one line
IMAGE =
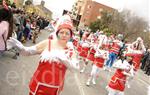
[(27, 30), (144, 59), (147, 65), (55, 59)]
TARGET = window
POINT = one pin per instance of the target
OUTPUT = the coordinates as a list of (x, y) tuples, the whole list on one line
[(87, 12), (80, 0), (98, 17), (84, 20), (101, 9), (89, 6)]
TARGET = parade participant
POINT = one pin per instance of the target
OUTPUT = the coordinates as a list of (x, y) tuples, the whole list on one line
[(75, 41), (117, 83), (55, 59), (137, 52), (93, 43), (102, 39), (92, 52), (100, 56), (84, 48), (6, 27), (93, 47), (113, 52)]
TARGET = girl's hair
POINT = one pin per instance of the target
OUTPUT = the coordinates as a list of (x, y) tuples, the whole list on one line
[(6, 15)]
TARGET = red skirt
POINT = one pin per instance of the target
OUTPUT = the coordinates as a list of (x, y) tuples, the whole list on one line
[(99, 62), (48, 78), (118, 81), (91, 55), (43, 90), (84, 52), (79, 48)]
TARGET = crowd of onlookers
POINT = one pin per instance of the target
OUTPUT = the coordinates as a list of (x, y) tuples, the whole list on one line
[(28, 25), (19, 24)]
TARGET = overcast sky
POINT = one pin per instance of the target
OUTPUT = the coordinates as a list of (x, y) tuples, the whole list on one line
[(139, 7)]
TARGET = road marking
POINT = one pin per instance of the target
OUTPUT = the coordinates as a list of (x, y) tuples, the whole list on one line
[(143, 82), (79, 85), (148, 90)]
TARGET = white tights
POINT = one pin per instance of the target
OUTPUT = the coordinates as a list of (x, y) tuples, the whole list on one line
[(94, 73), (115, 92)]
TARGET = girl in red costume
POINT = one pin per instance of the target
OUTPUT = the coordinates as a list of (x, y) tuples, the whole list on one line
[(117, 83), (49, 77), (83, 53), (136, 52), (100, 56)]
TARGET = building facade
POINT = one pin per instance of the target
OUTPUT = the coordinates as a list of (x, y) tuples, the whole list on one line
[(19, 3), (40, 10), (89, 10)]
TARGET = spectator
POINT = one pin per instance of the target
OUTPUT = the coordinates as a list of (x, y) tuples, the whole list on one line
[(6, 22)]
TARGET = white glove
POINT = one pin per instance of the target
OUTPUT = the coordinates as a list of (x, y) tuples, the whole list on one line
[(132, 71), (24, 50), (119, 65), (15, 43), (75, 64), (98, 54)]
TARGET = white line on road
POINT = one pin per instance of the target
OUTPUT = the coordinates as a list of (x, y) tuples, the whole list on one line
[(79, 85), (148, 90), (143, 82)]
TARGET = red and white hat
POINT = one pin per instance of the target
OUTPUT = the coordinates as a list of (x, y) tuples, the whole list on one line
[(64, 22)]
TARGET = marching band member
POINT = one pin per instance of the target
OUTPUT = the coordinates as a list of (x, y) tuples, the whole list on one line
[(102, 39), (93, 47), (100, 56), (75, 41), (85, 47), (93, 44), (55, 59), (117, 83), (137, 52), (117, 44)]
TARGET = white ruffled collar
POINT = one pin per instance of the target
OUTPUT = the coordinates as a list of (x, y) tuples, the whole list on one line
[(54, 55)]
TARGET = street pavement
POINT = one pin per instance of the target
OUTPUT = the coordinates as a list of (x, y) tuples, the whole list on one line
[(16, 74)]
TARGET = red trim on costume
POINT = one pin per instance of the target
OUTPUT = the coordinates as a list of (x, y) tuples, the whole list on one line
[(118, 80)]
